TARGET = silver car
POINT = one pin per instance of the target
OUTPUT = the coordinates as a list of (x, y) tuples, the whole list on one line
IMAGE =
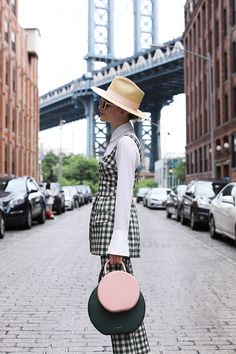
[(156, 198)]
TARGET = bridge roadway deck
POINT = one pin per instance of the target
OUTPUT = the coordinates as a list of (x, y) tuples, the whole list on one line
[(47, 275), (159, 73)]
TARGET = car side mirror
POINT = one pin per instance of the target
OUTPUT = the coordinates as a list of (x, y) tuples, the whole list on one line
[(173, 194), (229, 199), (32, 191), (189, 194)]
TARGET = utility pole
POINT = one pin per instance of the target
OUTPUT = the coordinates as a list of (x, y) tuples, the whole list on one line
[(60, 151)]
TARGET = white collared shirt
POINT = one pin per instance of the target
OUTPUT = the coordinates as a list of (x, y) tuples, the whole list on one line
[(127, 160)]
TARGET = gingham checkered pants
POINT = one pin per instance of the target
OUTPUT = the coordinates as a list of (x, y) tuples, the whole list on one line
[(130, 343)]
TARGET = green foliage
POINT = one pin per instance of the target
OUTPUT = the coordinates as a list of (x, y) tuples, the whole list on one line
[(145, 183), (76, 169), (50, 167), (180, 171)]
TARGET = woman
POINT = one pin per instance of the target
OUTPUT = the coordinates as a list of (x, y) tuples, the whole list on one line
[(114, 230)]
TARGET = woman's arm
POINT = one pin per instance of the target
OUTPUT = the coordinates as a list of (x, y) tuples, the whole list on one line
[(127, 160)]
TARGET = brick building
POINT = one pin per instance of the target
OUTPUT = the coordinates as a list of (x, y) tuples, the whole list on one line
[(210, 27), (19, 107)]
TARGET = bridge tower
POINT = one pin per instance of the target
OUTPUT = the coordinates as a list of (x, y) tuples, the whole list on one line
[(101, 49), (146, 34)]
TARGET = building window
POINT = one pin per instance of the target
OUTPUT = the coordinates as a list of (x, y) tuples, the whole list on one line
[(190, 7), (6, 159), (234, 57), (200, 160), (187, 164), (226, 108), (196, 161), (209, 8), (217, 73), (218, 113), (13, 41), (225, 65), (6, 115), (233, 8), (192, 162), (13, 119), (200, 125), (225, 22), (205, 122), (234, 150), (199, 26), (217, 33), (210, 42), (205, 158), (13, 6), (14, 80), (7, 73), (6, 30), (234, 102), (13, 161)]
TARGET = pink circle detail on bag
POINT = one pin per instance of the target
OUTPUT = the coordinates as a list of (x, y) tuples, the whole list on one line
[(118, 291)]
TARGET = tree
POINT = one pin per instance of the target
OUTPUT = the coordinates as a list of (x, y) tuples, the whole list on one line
[(50, 167), (180, 171), (145, 183)]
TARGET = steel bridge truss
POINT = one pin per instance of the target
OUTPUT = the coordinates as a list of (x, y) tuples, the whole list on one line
[(101, 48)]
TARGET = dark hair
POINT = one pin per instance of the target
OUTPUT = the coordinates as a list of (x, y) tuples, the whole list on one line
[(132, 116)]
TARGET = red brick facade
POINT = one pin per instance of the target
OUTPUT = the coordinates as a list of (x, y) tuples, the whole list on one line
[(210, 26), (19, 107)]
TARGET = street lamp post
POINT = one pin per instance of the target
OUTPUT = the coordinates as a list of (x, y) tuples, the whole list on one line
[(60, 151)]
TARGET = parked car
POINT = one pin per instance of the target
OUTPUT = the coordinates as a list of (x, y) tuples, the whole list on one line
[(222, 216), (72, 190), (70, 201), (87, 193), (174, 201), (22, 200), (140, 194), (2, 221), (59, 197), (156, 197), (197, 200)]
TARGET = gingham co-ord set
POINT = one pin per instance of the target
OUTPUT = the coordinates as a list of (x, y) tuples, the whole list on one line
[(100, 233)]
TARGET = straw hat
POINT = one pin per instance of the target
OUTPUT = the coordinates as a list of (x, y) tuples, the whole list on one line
[(125, 94)]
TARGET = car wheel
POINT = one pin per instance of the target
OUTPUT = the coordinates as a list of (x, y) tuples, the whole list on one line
[(183, 220), (193, 222), (177, 215), (28, 219), (42, 217), (59, 209), (2, 226), (212, 228), (168, 214)]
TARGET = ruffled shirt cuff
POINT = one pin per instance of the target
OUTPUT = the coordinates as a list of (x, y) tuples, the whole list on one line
[(119, 243)]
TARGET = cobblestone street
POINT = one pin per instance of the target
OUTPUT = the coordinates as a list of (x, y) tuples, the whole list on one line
[(47, 275)]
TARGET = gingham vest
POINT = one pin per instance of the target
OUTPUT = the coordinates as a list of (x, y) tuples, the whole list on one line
[(103, 210)]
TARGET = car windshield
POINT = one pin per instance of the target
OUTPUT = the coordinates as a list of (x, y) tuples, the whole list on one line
[(181, 190), (68, 192), (159, 191), (15, 185), (208, 189)]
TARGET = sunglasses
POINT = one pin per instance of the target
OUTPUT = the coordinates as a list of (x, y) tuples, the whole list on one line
[(103, 104)]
